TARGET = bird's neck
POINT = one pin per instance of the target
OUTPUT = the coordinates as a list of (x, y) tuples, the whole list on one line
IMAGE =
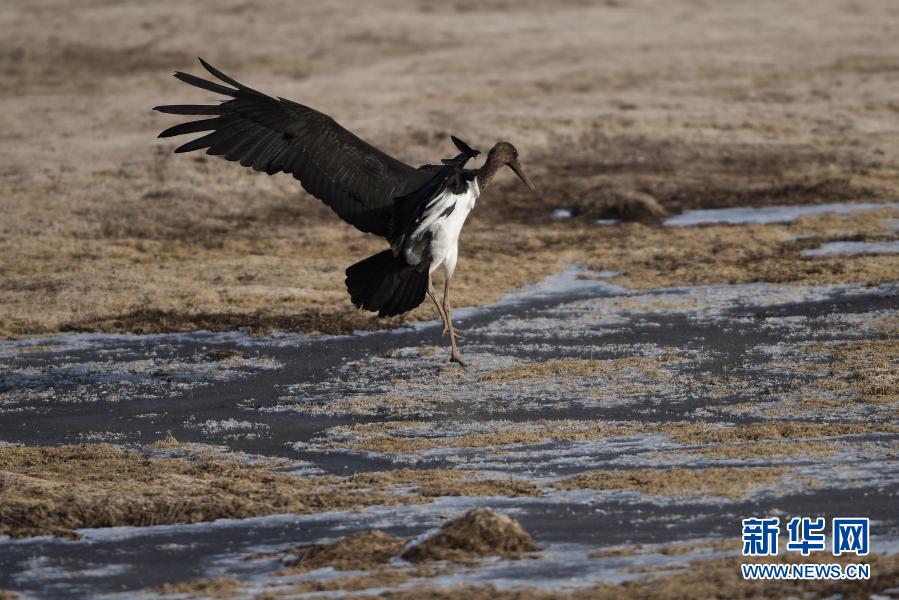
[(487, 171)]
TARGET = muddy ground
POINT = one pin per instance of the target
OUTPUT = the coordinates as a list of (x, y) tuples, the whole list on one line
[(695, 322)]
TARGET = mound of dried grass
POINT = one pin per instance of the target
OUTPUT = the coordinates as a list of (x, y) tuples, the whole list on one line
[(478, 533), (619, 203), (364, 550)]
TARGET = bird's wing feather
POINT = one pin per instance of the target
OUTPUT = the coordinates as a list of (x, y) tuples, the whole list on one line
[(358, 181)]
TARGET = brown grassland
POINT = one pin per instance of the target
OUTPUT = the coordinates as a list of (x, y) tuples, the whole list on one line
[(612, 104)]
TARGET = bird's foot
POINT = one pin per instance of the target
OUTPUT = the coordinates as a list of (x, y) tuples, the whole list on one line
[(458, 332), (455, 358)]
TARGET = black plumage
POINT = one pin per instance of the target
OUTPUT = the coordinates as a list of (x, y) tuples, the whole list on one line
[(386, 284), (358, 181)]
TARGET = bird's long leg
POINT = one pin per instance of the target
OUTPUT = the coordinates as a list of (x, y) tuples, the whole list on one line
[(446, 324), (454, 356), (433, 294)]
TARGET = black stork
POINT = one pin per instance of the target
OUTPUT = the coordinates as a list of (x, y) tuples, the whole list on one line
[(419, 211)]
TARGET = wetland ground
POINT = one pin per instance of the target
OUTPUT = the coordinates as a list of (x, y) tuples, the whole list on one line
[(696, 320)]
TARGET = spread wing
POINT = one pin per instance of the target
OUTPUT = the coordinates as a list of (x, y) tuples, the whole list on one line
[(358, 181)]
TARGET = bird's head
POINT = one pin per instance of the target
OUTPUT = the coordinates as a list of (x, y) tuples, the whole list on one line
[(505, 153)]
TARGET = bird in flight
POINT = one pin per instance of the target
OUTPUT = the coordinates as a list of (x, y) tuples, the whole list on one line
[(419, 211)]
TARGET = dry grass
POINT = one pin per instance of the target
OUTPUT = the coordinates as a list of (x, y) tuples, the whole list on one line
[(398, 437), (57, 490), (511, 488), (104, 229), (756, 450), (733, 483), (723, 545), (551, 368), (143, 287), (380, 579), (60, 489), (575, 368), (770, 439), (788, 431), (866, 371)]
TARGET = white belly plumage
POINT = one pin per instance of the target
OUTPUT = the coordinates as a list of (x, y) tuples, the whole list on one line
[(443, 220)]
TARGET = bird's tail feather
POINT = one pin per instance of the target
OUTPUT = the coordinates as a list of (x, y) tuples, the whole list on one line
[(386, 284)]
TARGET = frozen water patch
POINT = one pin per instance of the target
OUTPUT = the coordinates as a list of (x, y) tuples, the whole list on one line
[(120, 376), (857, 325), (108, 371), (529, 449), (767, 214), (560, 565), (862, 472), (110, 342), (561, 214), (551, 326), (338, 523), (213, 427), (853, 248), (101, 436), (713, 302), (572, 279), (546, 462)]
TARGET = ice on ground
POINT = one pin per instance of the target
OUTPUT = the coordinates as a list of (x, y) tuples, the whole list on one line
[(108, 342), (767, 214), (853, 248)]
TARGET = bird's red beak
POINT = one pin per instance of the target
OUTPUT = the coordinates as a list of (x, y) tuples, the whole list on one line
[(516, 166)]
